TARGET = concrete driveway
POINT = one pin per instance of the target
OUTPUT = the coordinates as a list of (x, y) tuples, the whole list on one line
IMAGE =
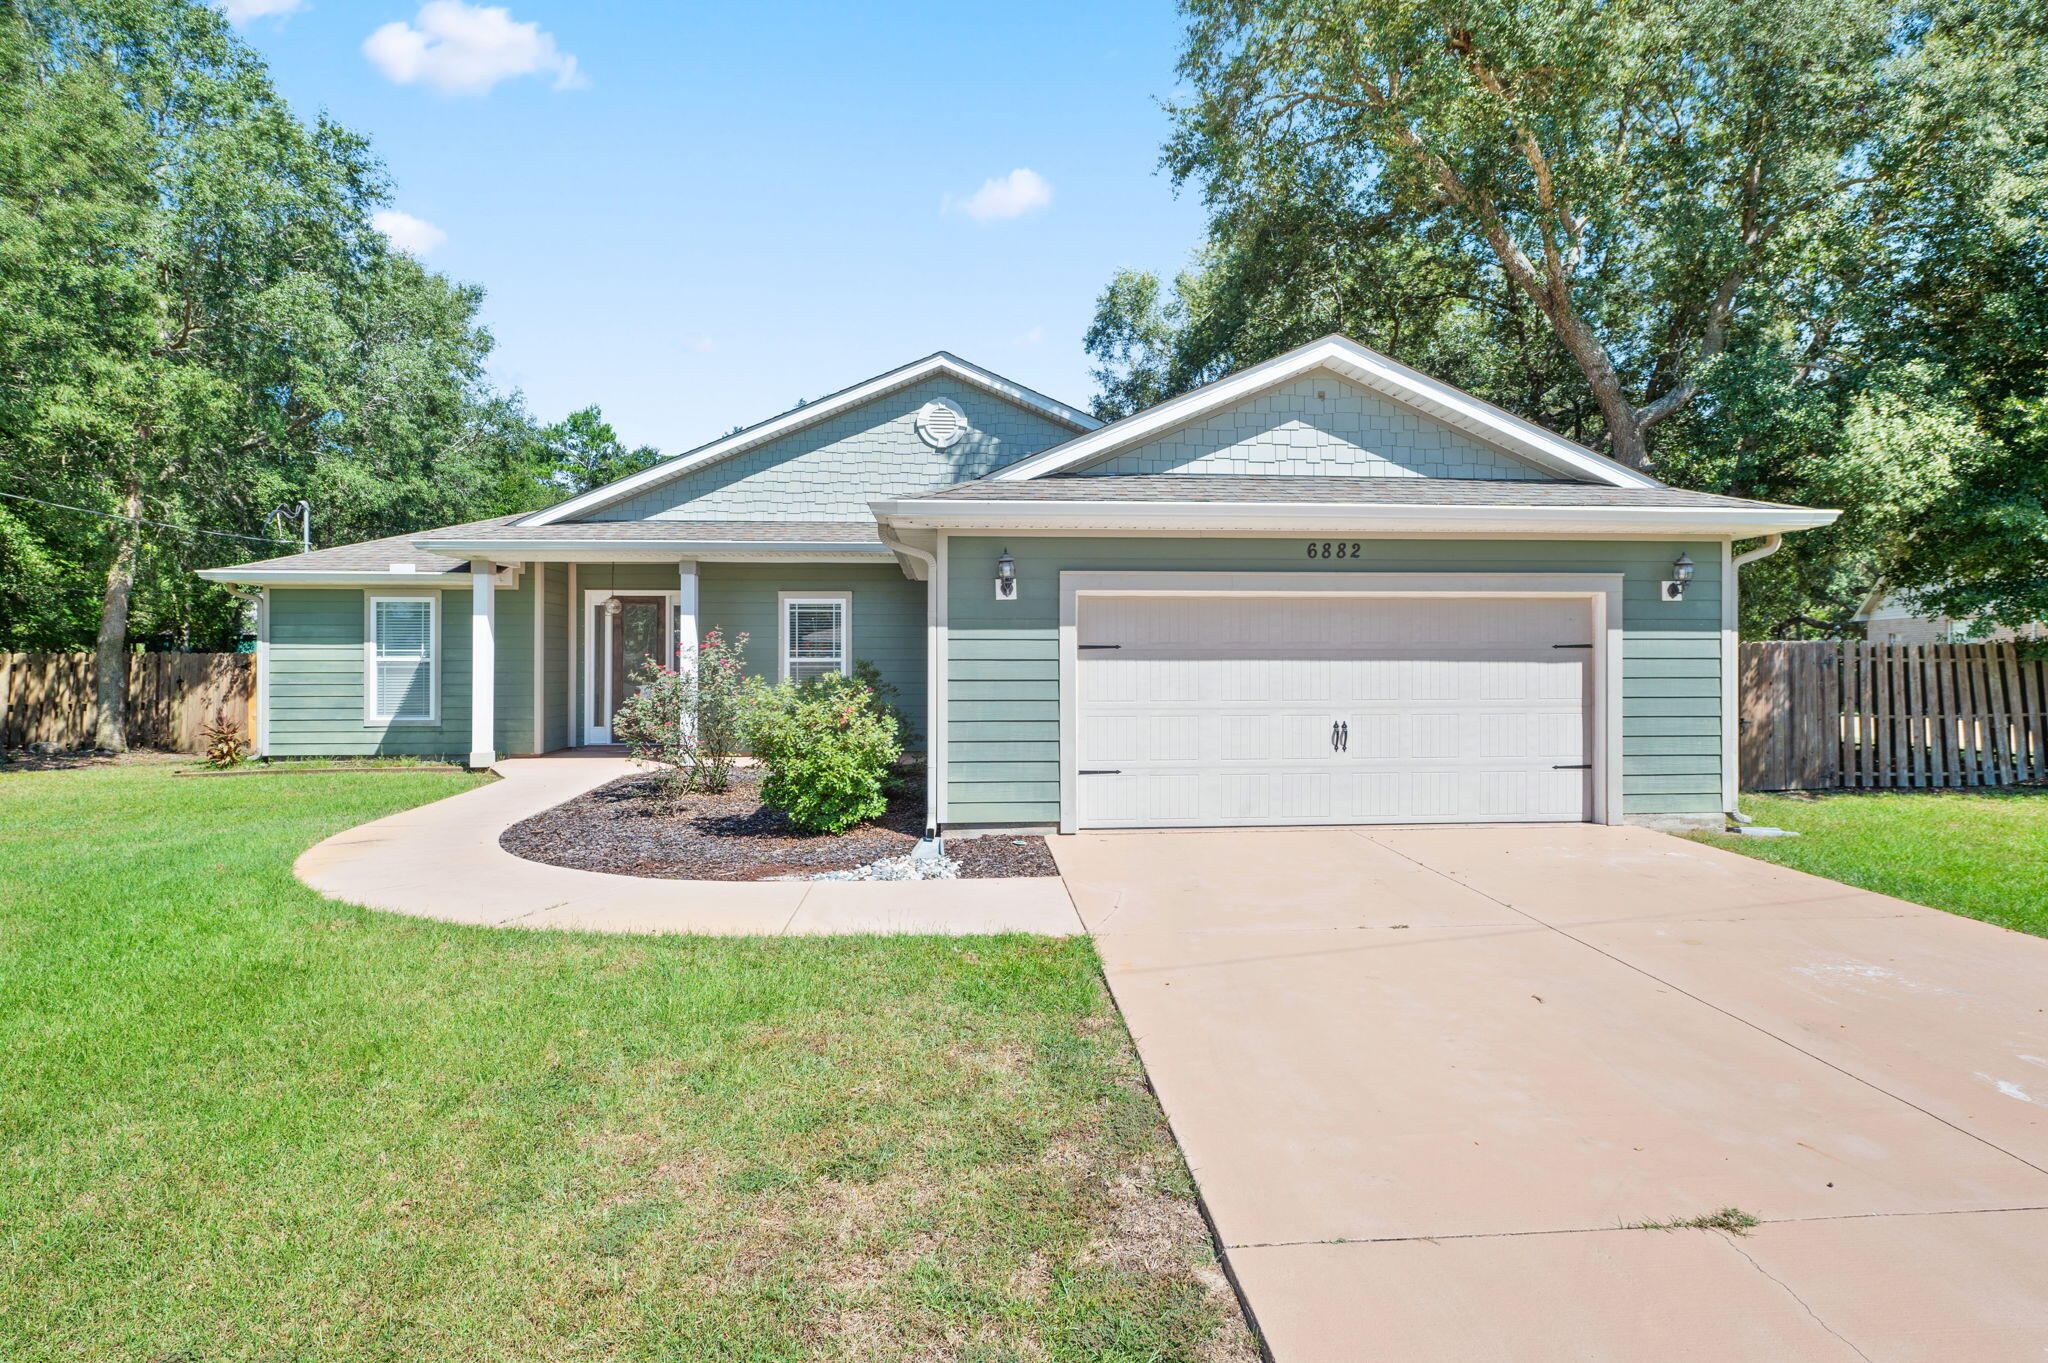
[(1426, 1076)]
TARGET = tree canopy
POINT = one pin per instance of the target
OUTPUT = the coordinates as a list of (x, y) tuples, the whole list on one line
[(201, 323), (1781, 249)]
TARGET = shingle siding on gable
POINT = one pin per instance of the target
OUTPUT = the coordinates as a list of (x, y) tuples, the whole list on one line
[(830, 471), (1346, 432)]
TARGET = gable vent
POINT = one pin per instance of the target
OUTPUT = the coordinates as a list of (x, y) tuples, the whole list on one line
[(940, 423)]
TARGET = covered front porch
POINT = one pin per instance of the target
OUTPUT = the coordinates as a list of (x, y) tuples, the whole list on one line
[(561, 641)]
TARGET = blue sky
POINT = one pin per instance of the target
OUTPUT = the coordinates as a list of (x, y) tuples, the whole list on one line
[(694, 215)]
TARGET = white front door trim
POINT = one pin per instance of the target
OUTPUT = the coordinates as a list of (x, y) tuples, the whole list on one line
[(597, 653), (1601, 590)]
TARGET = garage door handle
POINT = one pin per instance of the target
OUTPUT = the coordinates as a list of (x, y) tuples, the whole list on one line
[(1333, 736), (1573, 766), (1344, 737)]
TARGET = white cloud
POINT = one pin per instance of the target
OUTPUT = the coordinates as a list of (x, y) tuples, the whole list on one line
[(1007, 196), (242, 11), (463, 49), (1034, 336), (414, 236)]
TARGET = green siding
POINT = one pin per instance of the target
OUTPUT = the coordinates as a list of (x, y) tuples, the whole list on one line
[(888, 618), (316, 675), (1003, 722), (555, 657)]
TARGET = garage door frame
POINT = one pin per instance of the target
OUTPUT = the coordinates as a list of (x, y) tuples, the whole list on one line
[(1602, 591)]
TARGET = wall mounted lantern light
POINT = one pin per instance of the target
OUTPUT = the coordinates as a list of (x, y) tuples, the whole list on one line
[(1681, 576), (1006, 577)]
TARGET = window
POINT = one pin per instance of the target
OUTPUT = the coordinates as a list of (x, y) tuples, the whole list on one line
[(816, 630), (399, 682)]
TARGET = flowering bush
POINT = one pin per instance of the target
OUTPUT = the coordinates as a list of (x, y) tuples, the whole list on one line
[(686, 720), (827, 747)]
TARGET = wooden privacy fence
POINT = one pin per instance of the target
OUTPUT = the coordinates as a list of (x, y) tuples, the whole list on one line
[(1817, 716), (48, 698)]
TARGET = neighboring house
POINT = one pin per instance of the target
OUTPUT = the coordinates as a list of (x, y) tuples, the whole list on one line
[(1327, 589), (1890, 617)]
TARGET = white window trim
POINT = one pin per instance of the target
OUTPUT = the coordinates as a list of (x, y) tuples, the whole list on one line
[(370, 715), (784, 600)]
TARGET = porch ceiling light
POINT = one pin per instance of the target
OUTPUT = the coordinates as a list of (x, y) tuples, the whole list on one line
[(1006, 577), (612, 605)]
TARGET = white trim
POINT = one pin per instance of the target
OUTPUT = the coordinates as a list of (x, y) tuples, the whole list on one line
[(263, 674), (572, 730), (1358, 518), (657, 550), (281, 577), (810, 414), (784, 600), (1364, 366), (1731, 731), (1602, 591), (483, 664), (939, 614), (688, 637), (370, 715), (597, 655), (540, 656)]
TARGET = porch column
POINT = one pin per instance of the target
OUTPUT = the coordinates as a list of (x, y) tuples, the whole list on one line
[(686, 612), (483, 664)]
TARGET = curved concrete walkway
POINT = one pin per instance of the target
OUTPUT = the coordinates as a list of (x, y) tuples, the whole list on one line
[(443, 861)]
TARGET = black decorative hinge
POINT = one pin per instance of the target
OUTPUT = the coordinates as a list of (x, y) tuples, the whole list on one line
[(1100, 771), (1572, 766), (1571, 645), (1098, 645)]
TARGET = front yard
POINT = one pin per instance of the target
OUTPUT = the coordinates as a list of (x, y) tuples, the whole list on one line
[(241, 1122), (1982, 853)]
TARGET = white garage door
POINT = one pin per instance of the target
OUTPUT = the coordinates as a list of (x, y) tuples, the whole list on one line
[(1219, 710)]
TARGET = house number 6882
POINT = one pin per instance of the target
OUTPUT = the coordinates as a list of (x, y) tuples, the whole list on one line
[(1333, 549)]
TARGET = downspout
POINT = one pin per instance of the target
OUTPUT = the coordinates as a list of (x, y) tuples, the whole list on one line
[(932, 697), (1731, 699), (1771, 545), (258, 600)]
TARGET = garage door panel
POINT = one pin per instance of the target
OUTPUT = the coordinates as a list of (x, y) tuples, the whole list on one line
[(1220, 710)]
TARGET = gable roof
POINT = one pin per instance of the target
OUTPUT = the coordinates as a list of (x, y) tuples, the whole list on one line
[(1364, 366), (797, 418)]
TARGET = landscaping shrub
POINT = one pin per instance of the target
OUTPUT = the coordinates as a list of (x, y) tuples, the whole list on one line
[(827, 746), (687, 721), (225, 743)]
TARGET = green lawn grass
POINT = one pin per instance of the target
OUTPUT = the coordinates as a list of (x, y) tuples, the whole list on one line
[(1982, 853), (240, 1122)]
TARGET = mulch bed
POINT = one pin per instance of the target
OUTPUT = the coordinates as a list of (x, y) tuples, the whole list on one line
[(623, 829)]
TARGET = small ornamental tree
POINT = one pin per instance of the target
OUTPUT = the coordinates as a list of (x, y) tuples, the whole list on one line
[(686, 721), (827, 746)]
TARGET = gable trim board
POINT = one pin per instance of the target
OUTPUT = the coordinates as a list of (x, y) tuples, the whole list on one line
[(1362, 365), (796, 419)]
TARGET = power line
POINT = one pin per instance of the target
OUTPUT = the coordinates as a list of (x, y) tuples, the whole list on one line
[(142, 520)]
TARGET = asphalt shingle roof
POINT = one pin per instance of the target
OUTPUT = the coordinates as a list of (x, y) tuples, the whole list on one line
[(376, 556), (1187, 487)]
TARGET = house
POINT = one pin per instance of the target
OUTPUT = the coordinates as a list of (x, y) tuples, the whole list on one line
[(1890, 617), (1326, 589)]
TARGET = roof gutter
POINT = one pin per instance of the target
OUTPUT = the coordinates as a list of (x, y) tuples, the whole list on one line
[(316, 577), (604, 550)]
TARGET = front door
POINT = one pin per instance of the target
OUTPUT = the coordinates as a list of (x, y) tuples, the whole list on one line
[(627, 643)]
